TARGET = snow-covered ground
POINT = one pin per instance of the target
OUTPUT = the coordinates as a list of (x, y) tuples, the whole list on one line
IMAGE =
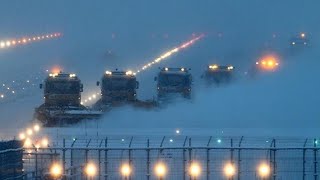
[(127, 35)]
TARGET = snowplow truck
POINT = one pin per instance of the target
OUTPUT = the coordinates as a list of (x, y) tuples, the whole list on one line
[(218, 74), (299, 40), (62, 101), (174, 81), (118, 86)]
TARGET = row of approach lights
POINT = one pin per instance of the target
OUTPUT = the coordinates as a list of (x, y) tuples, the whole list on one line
[(25, 40), (16, 87), (161, 170)]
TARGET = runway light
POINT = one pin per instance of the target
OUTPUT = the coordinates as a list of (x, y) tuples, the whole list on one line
[(37, 146), (91, 169), (44, 142), (56, 170), (219, 141), (170, 53), (194, 170), (125, 170), (29, 131), (22, 136), (27, 143), (229, 170), (36, 128), (160, 170), (21, 41), (264, 170), (177, 131)]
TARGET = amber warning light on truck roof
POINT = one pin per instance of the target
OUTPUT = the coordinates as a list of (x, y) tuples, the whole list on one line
[(269, 62)]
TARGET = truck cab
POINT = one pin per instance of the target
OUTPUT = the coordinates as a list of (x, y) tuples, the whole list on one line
[(62, 89), (218, 74), (118, 86), (174, 81), (299, 40)]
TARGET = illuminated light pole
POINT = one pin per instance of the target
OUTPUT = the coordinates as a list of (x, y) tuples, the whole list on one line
[(56, 171), (194, 170), (125, 171), (91, 170), (229, 171), (160, 170), (264, 171)]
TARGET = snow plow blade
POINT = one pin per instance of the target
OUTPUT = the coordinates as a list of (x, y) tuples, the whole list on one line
[(107, 106), (58, 116)]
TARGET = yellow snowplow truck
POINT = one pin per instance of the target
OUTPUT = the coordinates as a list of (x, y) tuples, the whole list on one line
[(174, 81), (216, 74), (62, 101), (119, 88)]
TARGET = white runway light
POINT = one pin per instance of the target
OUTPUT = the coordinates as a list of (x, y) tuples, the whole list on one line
[(169, 53)]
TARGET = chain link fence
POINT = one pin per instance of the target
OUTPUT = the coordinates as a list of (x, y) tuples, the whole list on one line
[(286, 158)]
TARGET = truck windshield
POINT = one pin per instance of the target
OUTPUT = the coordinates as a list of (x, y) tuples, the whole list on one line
[(174, 80), (119, 83), (63, 87)]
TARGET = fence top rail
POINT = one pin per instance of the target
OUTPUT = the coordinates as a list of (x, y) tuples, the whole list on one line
[(177, 148), (180, 141)]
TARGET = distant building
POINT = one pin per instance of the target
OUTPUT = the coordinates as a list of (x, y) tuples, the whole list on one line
[(11, 164)]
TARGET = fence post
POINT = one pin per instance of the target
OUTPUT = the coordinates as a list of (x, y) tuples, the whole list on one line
[(106, 159), (148, 160), (130, 159), (208, 158), (231, 155), (64, 156), (190, 155), (71, 160), (304, 160), (274, 161), (99, 165), (36, 154), (315, 160), (184, 158), (239, 158)]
